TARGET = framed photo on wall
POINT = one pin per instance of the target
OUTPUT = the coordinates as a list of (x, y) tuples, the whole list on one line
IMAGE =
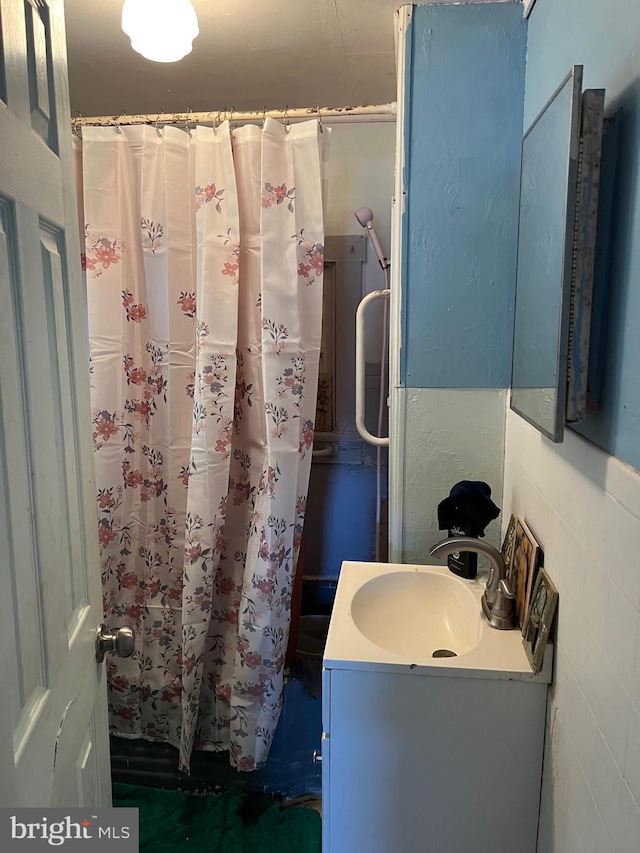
[(544, 601), (509, 544), (522, 568)]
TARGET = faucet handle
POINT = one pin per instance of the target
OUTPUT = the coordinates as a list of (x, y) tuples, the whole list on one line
[(504, 587), (501, 614)]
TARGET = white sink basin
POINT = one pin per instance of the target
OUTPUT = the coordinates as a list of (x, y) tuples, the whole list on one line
[(405, 618), (409, 612)]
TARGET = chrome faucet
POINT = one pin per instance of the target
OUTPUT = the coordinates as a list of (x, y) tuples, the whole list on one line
[(497, 599)]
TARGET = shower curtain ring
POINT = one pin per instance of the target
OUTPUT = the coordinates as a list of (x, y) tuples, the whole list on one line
[(186, 123), (285, 120), (158, 131), (320, 125), (264, 115)]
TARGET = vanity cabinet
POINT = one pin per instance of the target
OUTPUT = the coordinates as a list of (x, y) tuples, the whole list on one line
[(424, 753), (443, 764)]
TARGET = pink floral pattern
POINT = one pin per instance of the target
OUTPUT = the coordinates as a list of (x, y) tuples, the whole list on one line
[(136, 312), (152, 234), (187, 302), (278, 195), (193, 443), (231, 266), (277, 333), (244, 390), (291, 381), (149, 380), (306, 438), (100, 253), (207, 194), (310, 259), (279, 417)]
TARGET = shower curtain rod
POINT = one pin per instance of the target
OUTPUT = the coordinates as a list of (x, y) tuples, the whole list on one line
[(370, 112)]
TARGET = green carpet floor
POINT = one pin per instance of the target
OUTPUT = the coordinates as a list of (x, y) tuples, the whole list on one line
[(173, 822)]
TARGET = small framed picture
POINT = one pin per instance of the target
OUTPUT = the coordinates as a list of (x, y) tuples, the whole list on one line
[(509, 544), (522, 569), (544, 600)]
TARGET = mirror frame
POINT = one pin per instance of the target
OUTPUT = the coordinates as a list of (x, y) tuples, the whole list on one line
[(574, 80)]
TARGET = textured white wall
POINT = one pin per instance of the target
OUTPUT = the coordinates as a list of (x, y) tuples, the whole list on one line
[(584, 507), (361, 163), (361, 160)]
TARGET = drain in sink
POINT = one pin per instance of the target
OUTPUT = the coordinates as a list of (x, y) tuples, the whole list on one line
[(444, 653)]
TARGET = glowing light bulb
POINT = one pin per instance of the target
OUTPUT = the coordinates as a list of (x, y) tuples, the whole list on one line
[(160, 30)]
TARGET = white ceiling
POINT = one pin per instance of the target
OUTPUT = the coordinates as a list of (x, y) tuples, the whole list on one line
[(249, 54)]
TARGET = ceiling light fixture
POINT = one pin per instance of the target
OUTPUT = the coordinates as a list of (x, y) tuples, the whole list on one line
[(160, 30)]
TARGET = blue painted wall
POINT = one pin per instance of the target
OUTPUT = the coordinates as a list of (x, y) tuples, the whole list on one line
[(341, 513), (464, 127), (604, 37)]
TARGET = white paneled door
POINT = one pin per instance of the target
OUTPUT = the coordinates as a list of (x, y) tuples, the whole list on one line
[(53, 721)]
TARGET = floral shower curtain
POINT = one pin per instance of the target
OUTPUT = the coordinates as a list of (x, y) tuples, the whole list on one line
[(204, 261)]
